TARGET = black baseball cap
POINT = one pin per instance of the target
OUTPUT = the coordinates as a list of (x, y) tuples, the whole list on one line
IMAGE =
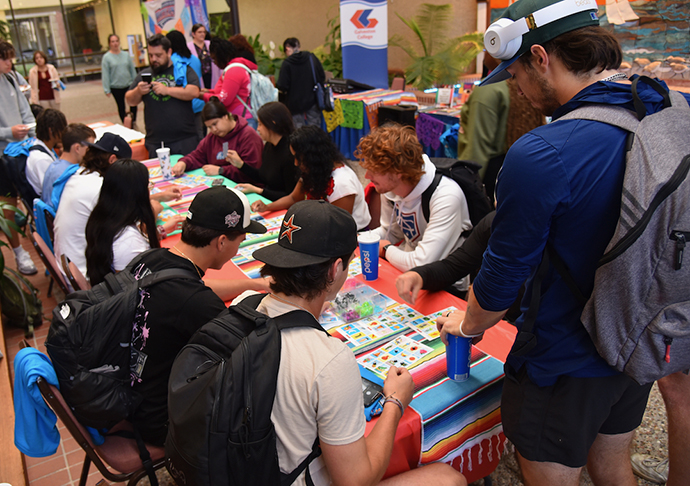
[(312, 232), (223, 209), (543, 34), (113, 144)]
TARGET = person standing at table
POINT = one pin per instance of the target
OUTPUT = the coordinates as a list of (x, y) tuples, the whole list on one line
[(15, 115), (563, 406), (117, 74), (229, 136), (45, 82), (210, 73), (401, 172), (277, 172), (296, 80), (321, 397), (168, 114)]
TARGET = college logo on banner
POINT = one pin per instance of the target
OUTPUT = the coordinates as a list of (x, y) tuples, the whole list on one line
[(364, 24)]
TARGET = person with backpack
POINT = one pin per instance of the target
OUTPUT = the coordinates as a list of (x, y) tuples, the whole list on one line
[(559, 194), (15, 125), (318, 393), (181, 59), (50, 125), (395, 163)]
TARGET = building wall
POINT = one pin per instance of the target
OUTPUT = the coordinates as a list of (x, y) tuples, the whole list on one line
[(127, 20)]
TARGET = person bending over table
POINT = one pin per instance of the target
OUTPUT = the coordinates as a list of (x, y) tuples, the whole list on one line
[(277, 171), (324, 176), (228, 136), (122, 223)]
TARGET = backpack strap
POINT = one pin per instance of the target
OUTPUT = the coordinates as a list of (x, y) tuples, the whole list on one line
[(41, 148), (288, 479), (428, 192), (289, 320)]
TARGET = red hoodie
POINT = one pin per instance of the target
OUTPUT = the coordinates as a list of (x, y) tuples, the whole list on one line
[(233, 81), (243, 139)]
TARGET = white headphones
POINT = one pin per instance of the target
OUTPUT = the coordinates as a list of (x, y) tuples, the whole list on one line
[(503, 38)]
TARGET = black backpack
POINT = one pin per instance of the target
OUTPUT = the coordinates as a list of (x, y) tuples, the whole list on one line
[(220, 396), (89, 345), (466, 175), (15, 166)]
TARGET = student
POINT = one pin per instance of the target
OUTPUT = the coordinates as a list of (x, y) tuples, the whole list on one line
[(321, 397), (324, 176), (50, 125), (227, 134)]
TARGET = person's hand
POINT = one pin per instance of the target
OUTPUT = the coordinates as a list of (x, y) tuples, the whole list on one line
[(408, 285), (108, 94), (144, 88), (382, 245), (264, 284), (160, 88), (449, 323), (399, 384), (20, 131), (258, 206), (212, 170), (179, 168), (234, 159), (249, 189), (174, 223), (172, 194)]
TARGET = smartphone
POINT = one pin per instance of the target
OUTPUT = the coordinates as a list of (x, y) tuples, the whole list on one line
[(30, 125), (147, 77), (371, 392), (217, 182)]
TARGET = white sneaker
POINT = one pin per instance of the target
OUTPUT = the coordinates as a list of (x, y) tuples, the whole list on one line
[(650, 469), (24, 263)]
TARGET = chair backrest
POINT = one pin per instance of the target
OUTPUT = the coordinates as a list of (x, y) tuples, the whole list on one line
[(74, 275), (398, 83), (49, 261)]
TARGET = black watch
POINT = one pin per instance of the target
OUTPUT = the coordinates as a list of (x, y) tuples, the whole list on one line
[(386, 248)]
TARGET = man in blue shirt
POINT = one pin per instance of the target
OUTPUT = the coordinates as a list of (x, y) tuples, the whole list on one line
[(563, 406)]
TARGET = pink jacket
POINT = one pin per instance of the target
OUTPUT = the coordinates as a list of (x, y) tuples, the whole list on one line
[(243, 139), (215, 71), (234, 81)]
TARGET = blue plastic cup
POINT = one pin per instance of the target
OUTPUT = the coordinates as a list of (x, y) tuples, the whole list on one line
[(369, 253), (458, 357)]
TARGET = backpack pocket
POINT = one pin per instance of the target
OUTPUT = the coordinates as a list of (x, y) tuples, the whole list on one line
[(253, 461), (664, 346)]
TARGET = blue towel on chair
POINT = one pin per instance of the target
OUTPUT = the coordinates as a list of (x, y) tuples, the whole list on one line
[(35, 430)]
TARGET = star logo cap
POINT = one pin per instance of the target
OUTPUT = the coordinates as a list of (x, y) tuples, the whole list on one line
[(311, 232), (223, 209)]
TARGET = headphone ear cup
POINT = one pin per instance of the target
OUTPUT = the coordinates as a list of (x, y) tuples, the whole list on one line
[(498, 44)]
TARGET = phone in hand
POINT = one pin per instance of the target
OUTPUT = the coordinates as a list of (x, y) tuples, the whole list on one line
[(370, 391), (147, 77)]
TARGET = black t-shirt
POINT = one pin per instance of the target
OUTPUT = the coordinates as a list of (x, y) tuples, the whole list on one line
[(169, 313), (277, 171), (167, 119)]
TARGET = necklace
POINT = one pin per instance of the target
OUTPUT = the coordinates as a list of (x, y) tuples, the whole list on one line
[(190, 260), (615, 77), (294, 304)]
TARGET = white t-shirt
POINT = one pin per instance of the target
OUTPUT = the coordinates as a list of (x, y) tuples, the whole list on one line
[(36, 165), (346, 183), (128, 244), (319, 390), (78, 200)]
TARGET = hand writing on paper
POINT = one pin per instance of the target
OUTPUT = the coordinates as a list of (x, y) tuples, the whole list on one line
[(408, 285), (179, 168), (399, 384), (234, 159)]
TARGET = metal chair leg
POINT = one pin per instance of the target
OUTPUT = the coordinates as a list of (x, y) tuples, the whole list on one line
[(85, 471)]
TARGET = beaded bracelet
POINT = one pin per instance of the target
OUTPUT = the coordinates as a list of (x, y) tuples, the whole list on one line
[(392, 399), (468, 336)]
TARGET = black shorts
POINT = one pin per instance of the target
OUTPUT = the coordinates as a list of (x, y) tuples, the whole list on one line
[(6, 187), (559, 423)]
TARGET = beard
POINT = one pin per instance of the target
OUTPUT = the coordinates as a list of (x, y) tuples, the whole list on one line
[(545, 100), (158, 68)]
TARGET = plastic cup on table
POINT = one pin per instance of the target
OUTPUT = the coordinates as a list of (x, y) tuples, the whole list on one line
[(163, 154), (369, 254), (458, 357)]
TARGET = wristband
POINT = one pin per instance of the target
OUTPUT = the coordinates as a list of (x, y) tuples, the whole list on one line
[(392, 399), (162, 233), (468, 336)]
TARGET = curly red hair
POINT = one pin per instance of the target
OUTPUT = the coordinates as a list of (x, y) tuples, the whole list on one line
[(392, 148)]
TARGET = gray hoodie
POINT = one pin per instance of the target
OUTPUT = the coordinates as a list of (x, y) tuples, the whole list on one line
[(14, 110)]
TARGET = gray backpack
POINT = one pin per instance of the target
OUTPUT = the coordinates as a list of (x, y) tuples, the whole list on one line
[(639, 312)]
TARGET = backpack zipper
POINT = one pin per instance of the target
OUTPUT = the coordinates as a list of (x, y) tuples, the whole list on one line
[(678, 177), (668, 341), (244, 428), (681, 238)]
